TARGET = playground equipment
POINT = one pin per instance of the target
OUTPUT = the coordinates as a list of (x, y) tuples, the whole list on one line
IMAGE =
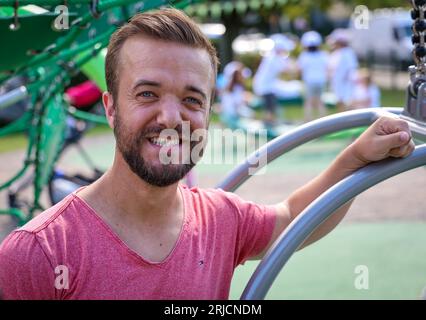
[(324, 206), (49, 65), (74, 34), (330, 201)]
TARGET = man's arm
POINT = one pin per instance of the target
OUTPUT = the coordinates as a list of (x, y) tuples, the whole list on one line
[(387, 137)]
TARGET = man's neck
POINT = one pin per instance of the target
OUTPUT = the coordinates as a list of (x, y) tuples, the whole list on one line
[(120, 194)]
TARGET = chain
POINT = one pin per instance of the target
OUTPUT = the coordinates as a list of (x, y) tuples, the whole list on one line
[(418, 38), (415, 107)]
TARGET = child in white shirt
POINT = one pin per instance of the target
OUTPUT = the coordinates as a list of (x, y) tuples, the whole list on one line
[(366, 94), (313, 64)]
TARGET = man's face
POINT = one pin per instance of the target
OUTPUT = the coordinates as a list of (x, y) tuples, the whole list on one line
[(160, 85)]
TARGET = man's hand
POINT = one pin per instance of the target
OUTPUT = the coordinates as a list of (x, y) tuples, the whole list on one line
[(387, 137)]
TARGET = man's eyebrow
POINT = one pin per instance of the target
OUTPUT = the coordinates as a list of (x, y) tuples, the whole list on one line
[(197, 90), (144, 82)]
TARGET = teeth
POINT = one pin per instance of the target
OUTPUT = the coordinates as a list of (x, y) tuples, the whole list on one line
[(164, 142)]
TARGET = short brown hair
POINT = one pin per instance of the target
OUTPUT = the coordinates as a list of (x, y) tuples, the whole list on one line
[(165, 24)]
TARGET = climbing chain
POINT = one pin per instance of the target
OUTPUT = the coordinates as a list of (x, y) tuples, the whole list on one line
[(418, 14)]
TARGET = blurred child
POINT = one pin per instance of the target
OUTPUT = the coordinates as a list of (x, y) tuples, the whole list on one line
[(312, 64), (269, 71), (233, 94), (366, 94), (343, 64)]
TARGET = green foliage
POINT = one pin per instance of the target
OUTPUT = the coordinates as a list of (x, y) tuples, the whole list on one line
[(302, 8), (250, 60), (376, 4)]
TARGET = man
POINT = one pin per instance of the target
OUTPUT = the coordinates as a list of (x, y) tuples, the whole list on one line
[(135, 233)]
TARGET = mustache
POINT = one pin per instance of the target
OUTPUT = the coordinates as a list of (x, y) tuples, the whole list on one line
[(156, 130)]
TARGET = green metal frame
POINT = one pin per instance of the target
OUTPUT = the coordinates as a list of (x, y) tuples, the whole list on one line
[(49, 70)]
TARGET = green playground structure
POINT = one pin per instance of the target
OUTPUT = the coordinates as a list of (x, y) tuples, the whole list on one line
[(48, 42)]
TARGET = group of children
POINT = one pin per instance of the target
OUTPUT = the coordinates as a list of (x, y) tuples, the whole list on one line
[(352, 87)]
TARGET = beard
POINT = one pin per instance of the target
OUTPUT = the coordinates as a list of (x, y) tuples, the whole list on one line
[(129, 146)]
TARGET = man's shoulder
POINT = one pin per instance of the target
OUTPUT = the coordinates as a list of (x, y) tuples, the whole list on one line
[(62, 211), (30, 254), (205, 193), (211, 199), (55, 233)]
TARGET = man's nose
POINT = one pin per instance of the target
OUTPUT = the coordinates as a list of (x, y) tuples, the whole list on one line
[(169, 113)]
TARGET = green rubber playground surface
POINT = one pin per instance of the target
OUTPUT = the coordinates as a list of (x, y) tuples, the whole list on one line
[(391, 258)]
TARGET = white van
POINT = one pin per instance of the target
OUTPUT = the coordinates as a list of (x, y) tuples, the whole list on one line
[(387, 36)]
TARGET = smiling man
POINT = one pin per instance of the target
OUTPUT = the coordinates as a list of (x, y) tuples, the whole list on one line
[(136, 233)]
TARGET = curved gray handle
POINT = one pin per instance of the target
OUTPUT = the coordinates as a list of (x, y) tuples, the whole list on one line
[(301, 135), (318, 211)]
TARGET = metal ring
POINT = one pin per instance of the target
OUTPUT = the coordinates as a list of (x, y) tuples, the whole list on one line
[(415, 58), (413, 3), (415, 6)]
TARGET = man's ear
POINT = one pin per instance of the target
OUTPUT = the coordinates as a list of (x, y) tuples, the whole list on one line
[(109, 107)]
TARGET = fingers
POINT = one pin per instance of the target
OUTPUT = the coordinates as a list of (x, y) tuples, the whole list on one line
[(395, 135), (395, 140), (404, 151), (394, 132), (388, 125), (386, 137)]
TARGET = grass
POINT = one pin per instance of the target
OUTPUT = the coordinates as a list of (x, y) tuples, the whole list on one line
[(18, 141), (390, 98), (15, 141), (390, 257), (393, 98)]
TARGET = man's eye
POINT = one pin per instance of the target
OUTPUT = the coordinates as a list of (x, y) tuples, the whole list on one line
[(194, 100), (146, 94)]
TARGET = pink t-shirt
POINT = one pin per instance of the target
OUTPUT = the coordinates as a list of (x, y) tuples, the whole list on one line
[(69, 252)]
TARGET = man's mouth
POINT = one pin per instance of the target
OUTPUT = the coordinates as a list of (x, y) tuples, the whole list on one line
[(164, 142)]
